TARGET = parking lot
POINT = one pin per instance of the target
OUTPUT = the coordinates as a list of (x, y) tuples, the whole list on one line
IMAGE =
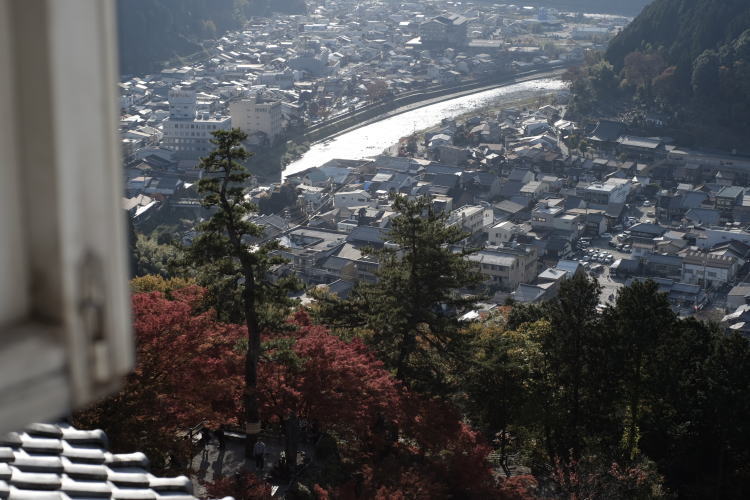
[(599, 267), (610, 284)]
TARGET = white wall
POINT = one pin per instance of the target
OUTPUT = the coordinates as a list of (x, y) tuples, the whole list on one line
[(64, 304)]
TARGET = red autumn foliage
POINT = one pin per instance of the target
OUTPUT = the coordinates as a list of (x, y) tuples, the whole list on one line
[(190, 370), (189, 360), (245, 486), (340, 385)]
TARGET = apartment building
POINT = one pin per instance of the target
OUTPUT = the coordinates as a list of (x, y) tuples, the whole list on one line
[(257, 115)]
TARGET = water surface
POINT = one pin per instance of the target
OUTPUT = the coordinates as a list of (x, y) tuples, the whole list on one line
[(372, 139)]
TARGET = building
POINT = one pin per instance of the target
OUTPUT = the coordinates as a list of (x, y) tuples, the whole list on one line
[(552, 218), (738, 296), (505, 268), (469, 217), (356, 198), (706, 269), (728, 198), (448, 30), (606, 193), (257, 115), (187, 132), (504, 232)]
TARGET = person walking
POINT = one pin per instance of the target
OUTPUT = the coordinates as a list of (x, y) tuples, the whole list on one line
[(220, 436), (259, 451)]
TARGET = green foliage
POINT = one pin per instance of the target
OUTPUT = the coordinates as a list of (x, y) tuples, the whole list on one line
[(613, 401), (411, 312), (153, 257), (155, 283), (233, 270), (688, 59)]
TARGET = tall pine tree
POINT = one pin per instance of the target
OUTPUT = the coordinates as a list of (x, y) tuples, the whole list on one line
[(234, 269)]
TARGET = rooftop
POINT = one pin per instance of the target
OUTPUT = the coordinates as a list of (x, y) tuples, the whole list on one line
[(60, 462)]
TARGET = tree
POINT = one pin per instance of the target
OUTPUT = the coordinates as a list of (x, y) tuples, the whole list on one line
[(311, 375), (411, 310), (234, 270), (705, 77), (241, 486), (187, 372), (638, 322), (496, 383)]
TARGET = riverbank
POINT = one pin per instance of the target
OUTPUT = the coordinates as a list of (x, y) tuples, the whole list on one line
[(413, 100), (370, 138)]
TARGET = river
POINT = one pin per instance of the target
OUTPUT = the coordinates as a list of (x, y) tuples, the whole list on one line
[(371, 140)]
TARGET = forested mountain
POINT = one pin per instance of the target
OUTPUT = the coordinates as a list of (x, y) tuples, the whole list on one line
[(154, 31), (683, 28), (688, 60)]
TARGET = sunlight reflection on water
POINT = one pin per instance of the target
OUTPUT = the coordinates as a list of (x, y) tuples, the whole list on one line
[(372, 139)]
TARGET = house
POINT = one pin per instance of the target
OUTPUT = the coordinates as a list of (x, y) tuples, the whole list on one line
[(549, 217), (505, 268), (708, 270), (685, 298), (530, 294), (469, 217), (504, 232), (521, 175), (738, 295), (727, 199), (484, 182), (532, 190), (509, 210), (664, 266), (641, 147), (356, 198), (739, 320), (305, 248), (610, 192)]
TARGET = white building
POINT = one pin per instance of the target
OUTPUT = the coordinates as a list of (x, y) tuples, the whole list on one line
[(357, 198), (256, 115), (707, 269), (610, 192), (504, 232), (470, 218), (186, 132)]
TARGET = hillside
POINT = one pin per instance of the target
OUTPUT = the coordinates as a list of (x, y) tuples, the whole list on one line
[(152, 32), (684, 28), (686, 60)]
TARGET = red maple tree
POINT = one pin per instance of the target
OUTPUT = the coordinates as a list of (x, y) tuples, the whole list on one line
[(394, 444)]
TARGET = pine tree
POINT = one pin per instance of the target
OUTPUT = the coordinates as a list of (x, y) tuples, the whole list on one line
[(412, 309), (235, 270)]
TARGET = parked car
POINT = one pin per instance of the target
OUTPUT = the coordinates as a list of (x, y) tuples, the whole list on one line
[(627, 249), (606, 235)]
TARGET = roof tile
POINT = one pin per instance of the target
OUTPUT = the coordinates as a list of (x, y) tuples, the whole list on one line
[(58, 462)]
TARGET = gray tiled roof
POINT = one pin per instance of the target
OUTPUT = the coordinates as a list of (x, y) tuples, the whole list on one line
[(59, 462)]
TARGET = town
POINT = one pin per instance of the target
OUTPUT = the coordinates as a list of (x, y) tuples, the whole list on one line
[(338, 249), (543, 197)]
